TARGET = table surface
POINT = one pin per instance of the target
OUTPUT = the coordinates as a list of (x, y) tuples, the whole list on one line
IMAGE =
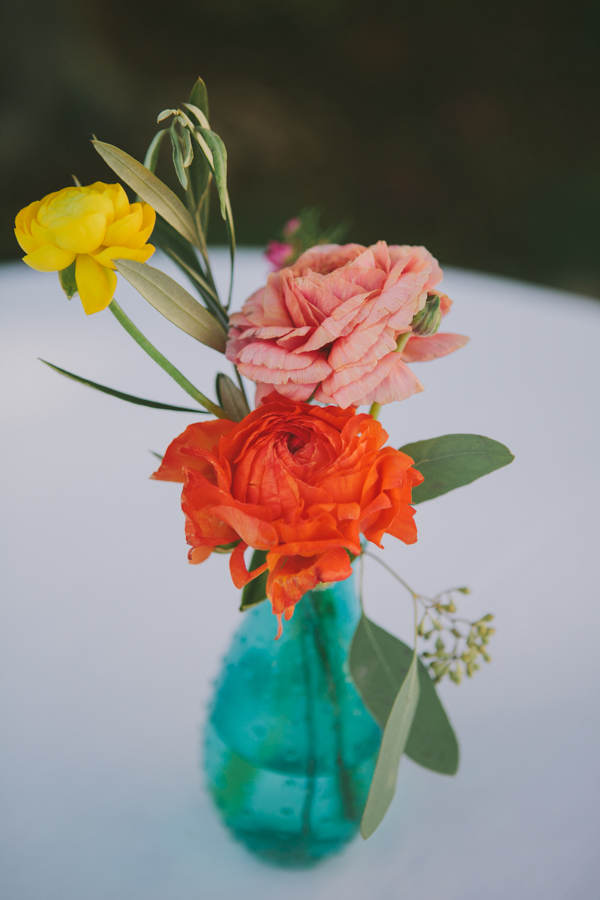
[(110, 640)]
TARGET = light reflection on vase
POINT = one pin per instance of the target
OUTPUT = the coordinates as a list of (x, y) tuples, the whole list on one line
[(290, 748)]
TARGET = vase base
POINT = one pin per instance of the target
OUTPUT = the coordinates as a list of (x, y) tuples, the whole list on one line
[(288, 851), (289, 822)]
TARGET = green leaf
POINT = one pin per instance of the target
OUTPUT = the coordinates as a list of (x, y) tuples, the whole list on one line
[(162, 361), (200, 171), (256, 590), (395, 736), (231, 398), (150, 189), (67, 280), (218, 160), (188, 155), (184, 256), (199, 97), (449, 461), (129, 397), (378, 664), (215, 154), (165, 114), (174, 302), (151, 158), (178, 158)]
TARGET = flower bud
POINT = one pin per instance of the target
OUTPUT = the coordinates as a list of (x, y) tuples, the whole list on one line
[(427, 320)]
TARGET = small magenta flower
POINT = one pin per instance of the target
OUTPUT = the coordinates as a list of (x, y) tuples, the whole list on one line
[(278, 254), (291, 227)]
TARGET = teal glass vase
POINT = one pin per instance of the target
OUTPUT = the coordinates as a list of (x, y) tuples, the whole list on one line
[(290, 748)]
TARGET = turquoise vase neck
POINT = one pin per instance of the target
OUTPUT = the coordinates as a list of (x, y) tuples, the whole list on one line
[(290, 748)]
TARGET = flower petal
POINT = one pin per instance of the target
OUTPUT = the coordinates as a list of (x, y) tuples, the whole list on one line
[(423, 349), (124, 228), (238, 569), (49, 259), (199, 554), (96, 284), (107, 255), (399, 384), (82, 234)]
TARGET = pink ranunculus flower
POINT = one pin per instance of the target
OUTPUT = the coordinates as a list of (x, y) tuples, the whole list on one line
[(329, 325)]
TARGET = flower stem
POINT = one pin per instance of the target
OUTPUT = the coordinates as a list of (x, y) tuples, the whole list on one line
[(374, 410), (402, 341), (163, 362)]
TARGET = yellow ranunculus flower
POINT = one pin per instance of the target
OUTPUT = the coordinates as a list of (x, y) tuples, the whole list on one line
[(90, 226)]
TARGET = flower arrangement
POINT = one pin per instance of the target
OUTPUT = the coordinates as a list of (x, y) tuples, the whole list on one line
[(303, 479)]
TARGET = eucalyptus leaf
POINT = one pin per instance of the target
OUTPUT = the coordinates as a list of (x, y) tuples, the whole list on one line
[(151, 158), (452, 460), (379, 663), (256, 590), (150, 189), (174, 302), (231, 398), (121, 396), (67, 280), (393, 743)]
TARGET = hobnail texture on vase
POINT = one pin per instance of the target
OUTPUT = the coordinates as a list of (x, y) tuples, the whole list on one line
[(290, 748)]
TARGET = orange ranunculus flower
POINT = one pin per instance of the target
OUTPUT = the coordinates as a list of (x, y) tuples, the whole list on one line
[(299, 481)]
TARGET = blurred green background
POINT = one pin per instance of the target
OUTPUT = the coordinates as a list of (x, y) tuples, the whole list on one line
[(472, 128)]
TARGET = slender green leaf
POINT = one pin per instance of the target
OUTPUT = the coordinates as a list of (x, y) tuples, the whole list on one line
[(150, 189), (218, 160), (67, 280), (129, 397), (255, 591), (449, 461), (215, 153), (378, 664), (231, 242), (157, 455), (151, 158), (165, 114), (199, 97), (231, 398), (178, 158), (395, 736), (174, 302), (184, 256), (200, 282), (199, 113), (163, 362), (200, 171), (188, 150)]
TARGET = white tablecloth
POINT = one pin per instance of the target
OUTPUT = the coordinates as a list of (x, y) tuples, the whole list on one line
[(110, 640)]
